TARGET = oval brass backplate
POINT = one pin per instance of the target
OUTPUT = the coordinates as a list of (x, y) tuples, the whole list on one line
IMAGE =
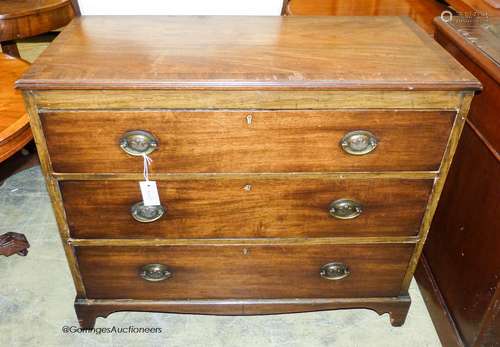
[(334, 271), (146, 214), (345, 209), (138, 142), (155, 272), (359, 142)]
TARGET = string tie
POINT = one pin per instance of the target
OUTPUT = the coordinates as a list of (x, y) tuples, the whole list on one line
[(147, 163)]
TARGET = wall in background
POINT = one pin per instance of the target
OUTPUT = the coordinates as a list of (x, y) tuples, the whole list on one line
[(181, 7)]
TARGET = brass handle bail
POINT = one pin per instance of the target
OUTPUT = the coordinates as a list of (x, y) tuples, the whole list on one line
[(155, 272), (359, 142), (138, 142)]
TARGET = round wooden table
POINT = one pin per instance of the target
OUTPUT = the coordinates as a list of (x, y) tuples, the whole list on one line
[(15, 131), (26, 18)]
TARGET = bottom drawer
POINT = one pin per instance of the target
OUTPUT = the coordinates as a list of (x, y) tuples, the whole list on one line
[(244, 271)]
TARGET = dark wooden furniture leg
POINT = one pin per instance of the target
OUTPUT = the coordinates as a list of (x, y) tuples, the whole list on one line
[(13, 243), (398, 314), (10, 48), (86, 314)]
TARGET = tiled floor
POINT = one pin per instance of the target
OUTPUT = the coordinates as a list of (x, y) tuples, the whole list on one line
[(36, 296), (32, 47)]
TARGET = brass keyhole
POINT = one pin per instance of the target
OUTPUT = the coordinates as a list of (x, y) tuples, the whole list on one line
[(249, 119)]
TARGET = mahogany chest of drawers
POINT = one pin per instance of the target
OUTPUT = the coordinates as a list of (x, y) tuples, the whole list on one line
[(298, 161)]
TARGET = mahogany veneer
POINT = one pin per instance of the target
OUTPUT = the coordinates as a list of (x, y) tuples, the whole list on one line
[(421, 11), (213, 208), (273, 271), (413, 140), (298, 160), (27, 18), (15, 131), (488, 7), (460, 272)]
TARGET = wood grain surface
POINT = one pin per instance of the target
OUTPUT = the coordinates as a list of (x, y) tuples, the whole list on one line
[(88, 310), (436, 305), (223, 208), (14, 125), (27, 18), (245, 99), (193, 82), (275, 141), (54, 192), (421, 11), (465, 303), (459, 244), (241, 52), (275, 271), (476, 6), (483, 114)]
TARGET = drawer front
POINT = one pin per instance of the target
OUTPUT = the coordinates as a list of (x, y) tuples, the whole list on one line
[(243, 271), (247, 141), (233, 208)]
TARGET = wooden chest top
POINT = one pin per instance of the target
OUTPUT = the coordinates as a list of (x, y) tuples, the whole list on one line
[(247, 53)]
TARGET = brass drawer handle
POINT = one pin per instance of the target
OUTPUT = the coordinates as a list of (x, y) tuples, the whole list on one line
[(345, 209), (155, 272), (138, 142), (359, 142), (146, 214), (334, 271)]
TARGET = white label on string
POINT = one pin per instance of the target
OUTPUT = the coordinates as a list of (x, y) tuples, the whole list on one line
[(149, 192)]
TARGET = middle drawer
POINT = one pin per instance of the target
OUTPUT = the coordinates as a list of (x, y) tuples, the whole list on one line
[(249, 208)]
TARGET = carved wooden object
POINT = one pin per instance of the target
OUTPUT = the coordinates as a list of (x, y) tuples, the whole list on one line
[(13, 243)]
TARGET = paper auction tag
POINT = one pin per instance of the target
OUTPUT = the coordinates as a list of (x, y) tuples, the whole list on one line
[(149, 192)]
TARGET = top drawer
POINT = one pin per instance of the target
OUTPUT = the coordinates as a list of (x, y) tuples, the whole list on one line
[(249, 141)]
